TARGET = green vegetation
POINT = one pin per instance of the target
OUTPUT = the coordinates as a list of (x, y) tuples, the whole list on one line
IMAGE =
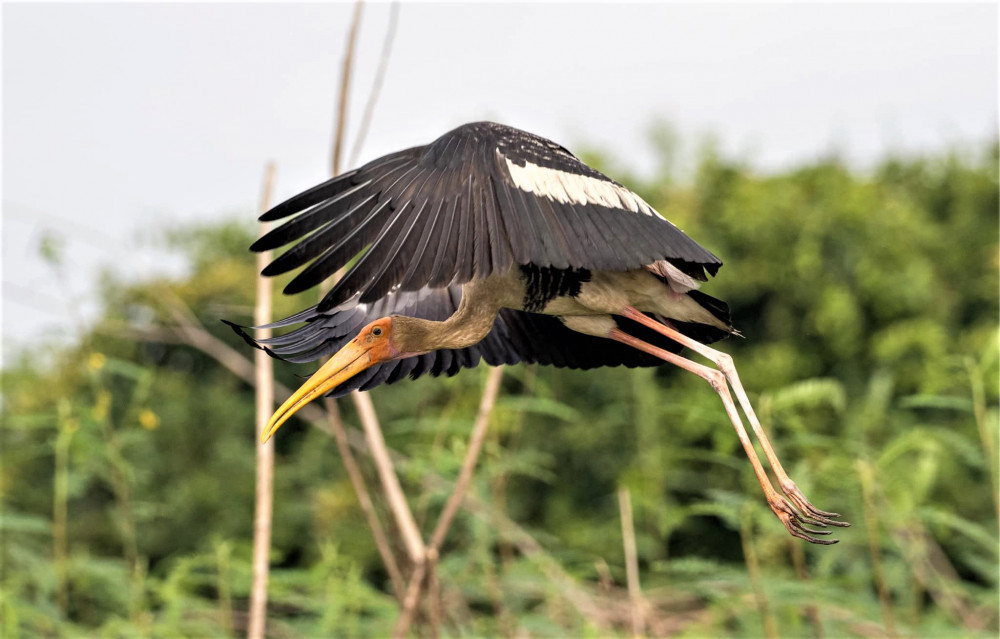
[(869, 305)]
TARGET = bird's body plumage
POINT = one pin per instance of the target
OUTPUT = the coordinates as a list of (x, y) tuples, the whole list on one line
[(532, 306), (494, 244)]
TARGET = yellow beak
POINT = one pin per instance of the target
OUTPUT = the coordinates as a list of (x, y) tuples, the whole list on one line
[(348, 362)]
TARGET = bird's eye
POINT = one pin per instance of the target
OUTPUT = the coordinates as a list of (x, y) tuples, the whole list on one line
[(377, 331)]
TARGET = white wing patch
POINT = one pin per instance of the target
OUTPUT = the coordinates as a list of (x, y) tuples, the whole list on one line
[(564, 187)]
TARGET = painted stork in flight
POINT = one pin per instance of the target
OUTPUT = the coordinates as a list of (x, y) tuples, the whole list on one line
[(492, 243)]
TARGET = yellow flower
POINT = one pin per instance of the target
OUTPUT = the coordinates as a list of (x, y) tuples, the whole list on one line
[(96, 361), (148, 419)]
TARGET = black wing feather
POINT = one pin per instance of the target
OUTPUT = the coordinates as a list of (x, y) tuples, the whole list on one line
[(501, 255), (485, 221)]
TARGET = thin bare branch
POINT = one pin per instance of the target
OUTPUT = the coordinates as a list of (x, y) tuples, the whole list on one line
[(982, 425), (489, 398), (413, 592), (364, 498), (411, 600), (387, 475), (345, 86), (264, 396), (383, 63), (60, 501), (866, 475), (810, 609), (631, 561), (753, 571)]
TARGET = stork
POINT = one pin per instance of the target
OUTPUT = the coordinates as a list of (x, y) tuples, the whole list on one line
[(494, 244)]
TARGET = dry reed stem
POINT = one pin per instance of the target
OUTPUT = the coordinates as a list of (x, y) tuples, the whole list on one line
[(387, 475), (631, 561), (489, 398), (264, 400), (811, 611), (411, 600), (224, 592), (345, 84), (383, 63), (753, 571), (985, 436), (364, 498), (434, 603), (60, 508), (935, 572), (865, 474), (486, 404)]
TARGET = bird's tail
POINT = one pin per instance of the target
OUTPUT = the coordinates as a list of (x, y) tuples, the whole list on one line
[(704, 332)]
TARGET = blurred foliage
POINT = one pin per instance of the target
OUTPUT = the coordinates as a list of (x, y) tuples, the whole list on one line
[(869, 306)]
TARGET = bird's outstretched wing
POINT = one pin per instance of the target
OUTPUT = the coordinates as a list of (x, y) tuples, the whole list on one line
[(477, 200), (516, 336)]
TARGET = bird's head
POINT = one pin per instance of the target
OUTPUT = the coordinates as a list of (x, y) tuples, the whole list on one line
[(373, 345)]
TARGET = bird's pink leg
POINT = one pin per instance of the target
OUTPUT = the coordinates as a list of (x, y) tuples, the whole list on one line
[(724, 362), (779, 505)]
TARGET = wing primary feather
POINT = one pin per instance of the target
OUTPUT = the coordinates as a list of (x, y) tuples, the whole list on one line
[(394, 261), (338, 255), (527, 211), (513, 229), (400, 255), (544, 240), (523, 235), (502, 257), (346, 250), (481, 232), (465, 251), (360, 274), (318, 242), (443, 270), (461, 251), (456, 245), (418, 271), (307, 198), (308, 220), (357, 236), (441, 275)]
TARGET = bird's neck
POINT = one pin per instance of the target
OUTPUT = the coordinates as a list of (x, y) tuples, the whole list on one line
[(467, 326)]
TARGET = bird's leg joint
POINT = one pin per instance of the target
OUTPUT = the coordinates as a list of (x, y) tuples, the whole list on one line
[(725, 363), (716, 379)]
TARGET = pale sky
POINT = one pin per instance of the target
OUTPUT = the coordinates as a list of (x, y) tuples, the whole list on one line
[(122, 119)]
